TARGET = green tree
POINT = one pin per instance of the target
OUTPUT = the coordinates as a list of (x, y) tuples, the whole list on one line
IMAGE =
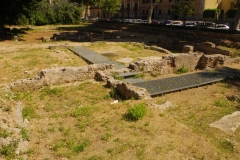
[(110, 6), (236, 22), (185, 9)]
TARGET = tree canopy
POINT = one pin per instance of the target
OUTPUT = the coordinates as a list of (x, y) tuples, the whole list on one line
[(39, 12)]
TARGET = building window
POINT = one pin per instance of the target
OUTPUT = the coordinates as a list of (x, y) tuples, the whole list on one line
[(146, 12), (135, 7), (143, 12), (169, 12), (170, 0), (159, 12), (128, 6)]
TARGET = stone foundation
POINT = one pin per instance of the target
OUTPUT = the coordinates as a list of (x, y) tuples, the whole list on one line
[(170, 63), (60, 75)]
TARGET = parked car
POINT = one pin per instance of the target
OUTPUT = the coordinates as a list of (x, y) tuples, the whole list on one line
[(220, 26), (155, 22), (190, 24), (116, 20), (176, 23), (205, 24)]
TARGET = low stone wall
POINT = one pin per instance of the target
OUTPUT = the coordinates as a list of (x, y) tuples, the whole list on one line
[(127, 90), (59, 75), (170, 63), (211, 61), (189, 60), (211, 48), (71, 36)]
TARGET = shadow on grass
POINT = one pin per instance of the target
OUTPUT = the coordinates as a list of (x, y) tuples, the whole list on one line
[(8, 34)]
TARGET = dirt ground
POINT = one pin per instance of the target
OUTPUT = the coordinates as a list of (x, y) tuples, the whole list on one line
[(194, 108)]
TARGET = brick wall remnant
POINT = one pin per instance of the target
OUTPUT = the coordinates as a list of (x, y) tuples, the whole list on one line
[(127, 90), (189, 60), (211, 48), (59, 75), (212, 61)]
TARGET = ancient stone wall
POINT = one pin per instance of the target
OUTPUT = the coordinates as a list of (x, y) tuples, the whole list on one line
[(211, 48), (189, 60), (59, 75), (170, 63), (127, 90)]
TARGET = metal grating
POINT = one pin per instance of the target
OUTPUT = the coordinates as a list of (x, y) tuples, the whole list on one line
[(93, 57), (166, 85)]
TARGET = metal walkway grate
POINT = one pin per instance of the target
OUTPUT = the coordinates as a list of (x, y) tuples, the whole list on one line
[(166, 85), (93, 57)]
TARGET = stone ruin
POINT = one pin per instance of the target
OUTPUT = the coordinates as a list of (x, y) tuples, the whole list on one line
[(162, 66), (190, 59), (71, 36), (71, 74)]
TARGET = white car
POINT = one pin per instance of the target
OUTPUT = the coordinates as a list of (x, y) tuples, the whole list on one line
[(220, 26), (175, 23)]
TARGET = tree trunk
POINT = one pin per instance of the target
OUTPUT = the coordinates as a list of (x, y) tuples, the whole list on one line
[(149, 18), (236, 21), (86, 13)]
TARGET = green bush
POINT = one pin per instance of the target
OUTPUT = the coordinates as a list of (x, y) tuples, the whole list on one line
[(210, 13), (137, 112), (183, 69), (231, 13)]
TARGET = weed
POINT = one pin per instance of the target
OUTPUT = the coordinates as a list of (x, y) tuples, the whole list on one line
[(161, 114), (81, 111), (227, 146), (79, 148), (29, 112), (51, 129), (140, 75), (221, 103), (94, 158), (4, 133), (154, 74), (83, 85), (24, 134), (120, 78), (48, 107), (66, 131), (110, 151), (106, 136), (61, 128), (116, 140), (7, 109), (146, 124), (114, 93), (181, 70), (51, 92), (136, 113), (9, 151), (107, 96)]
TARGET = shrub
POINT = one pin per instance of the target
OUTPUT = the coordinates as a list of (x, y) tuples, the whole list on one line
[(136, 113), (210, 13), (231, 13), (183, 69)]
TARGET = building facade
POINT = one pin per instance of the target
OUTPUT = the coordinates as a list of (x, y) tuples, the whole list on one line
[(163, 9)]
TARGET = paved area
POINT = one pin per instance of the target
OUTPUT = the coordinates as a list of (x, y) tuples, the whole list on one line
[(93, 57), (166, 85)]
